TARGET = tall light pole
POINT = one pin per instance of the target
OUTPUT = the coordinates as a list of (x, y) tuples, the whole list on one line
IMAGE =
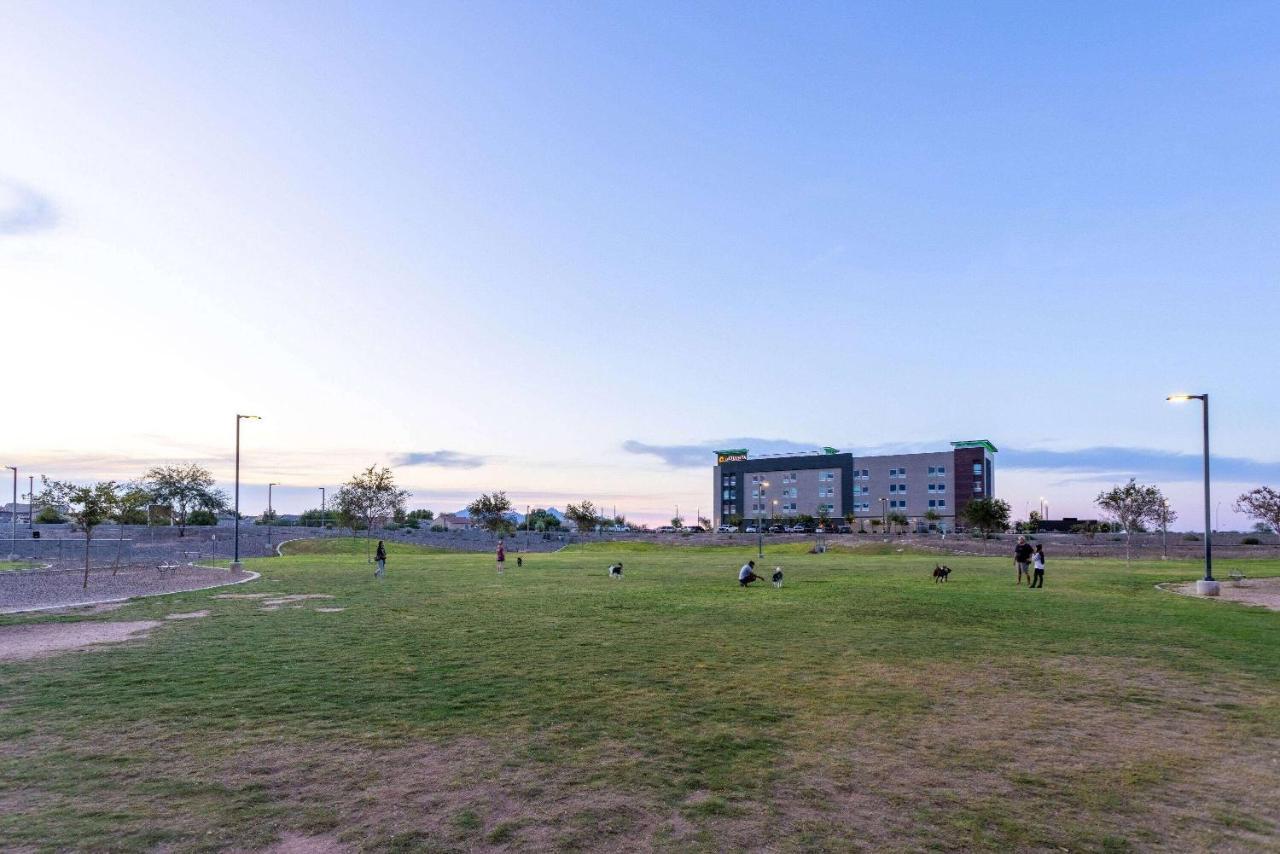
[(13, 518), (31, 501), (764, 492), (235, 561), (1206, 586), (322, 509), (270, 514)]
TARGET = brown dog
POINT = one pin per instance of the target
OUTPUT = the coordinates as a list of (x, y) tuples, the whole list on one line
[(940, 573)]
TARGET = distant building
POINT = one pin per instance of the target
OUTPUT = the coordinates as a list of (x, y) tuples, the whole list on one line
[(1065, 525), (832, 483)]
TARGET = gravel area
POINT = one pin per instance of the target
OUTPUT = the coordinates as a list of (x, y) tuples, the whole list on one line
[(39, 589), (1264, 592)]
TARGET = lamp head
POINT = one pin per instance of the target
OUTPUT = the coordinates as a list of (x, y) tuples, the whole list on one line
[(1183, 398), (250, 417)]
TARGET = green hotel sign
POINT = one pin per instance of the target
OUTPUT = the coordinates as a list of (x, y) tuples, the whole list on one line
[(732, 455)]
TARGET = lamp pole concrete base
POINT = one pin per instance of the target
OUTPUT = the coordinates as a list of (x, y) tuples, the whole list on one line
[(236, 566), (1206, 588)]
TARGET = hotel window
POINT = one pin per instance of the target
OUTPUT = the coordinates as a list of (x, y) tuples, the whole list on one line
[(942, 487), (893, 472), (933, 471), (933, 503), (942, 471), (942, 502), (977, 468), (977, 487)]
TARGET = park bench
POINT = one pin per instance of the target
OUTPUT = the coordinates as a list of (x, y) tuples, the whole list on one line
[(167, 566), (1236, 576)]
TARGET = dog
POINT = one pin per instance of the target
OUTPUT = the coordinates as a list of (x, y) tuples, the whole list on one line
[(777, 576), (615, 570), (940, 573), (519, 560)]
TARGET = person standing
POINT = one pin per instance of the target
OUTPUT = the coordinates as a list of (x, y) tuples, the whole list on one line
[(380, 558), (1037, 561), (502, 557), (1022, 558)]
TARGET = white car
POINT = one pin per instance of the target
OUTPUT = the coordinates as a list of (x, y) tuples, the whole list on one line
[(666, 529), (727, 529), (751, 529)]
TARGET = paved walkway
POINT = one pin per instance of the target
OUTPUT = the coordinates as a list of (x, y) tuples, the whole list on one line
[(25, 590)]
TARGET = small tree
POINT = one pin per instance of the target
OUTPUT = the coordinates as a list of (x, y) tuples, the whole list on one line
[(370, 495), (677, 522), (90, 507), (704, 522), (987, 515), (585, 515), (421, 515), (1130, 505), (49, 515), (1262, 504), (491, 512), (1164, 516), (1033, 522), (130, 509), (899, 520), (932, 517), (184, 488)]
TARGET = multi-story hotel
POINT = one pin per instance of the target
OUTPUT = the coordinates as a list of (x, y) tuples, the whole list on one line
[(832, 484)]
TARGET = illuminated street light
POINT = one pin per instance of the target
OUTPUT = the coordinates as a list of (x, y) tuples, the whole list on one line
[(1207, 586)]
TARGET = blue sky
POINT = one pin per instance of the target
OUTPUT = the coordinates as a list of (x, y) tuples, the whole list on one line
[(496, 243)]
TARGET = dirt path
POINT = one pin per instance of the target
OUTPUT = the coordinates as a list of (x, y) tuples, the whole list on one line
[(41, 639)]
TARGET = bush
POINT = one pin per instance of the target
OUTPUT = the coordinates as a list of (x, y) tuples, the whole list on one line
[(1191, 538), (49, 516), (1251, 541), (392, 526), (439, 529), (202, 517)]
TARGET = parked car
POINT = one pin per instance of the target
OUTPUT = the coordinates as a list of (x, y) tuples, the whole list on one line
[(666, 529), (777, 529), (751, 529), (620, 529), (797, 529), (844, 529), (696, 529), (727, 529)]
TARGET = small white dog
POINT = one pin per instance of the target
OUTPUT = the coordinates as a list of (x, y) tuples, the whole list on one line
[(615, 570), (777, 576)]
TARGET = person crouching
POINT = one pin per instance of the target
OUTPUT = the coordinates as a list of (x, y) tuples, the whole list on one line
[(747, 574)]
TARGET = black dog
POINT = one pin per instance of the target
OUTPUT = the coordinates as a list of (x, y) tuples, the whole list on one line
[(519, 560), (940, 573)]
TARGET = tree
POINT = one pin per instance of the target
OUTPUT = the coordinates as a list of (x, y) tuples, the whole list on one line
[(850, 517), (1033, 521), (899, 520), (369, 495), (421, 515), (130, 509), (541, 520), (314, 518), (677, 522), (1262, 528), (932, 517), (492, 512), (184, 488), (584, 515), (704, 522), (1164, 516), (49, 515), (1262, 504), (1130, 505), (90, 507), (987, 515), (202, 518)]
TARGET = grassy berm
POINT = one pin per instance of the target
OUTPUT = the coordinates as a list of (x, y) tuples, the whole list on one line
[(860, 707)]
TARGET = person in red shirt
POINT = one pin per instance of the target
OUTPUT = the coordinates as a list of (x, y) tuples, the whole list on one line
[(502, 557)]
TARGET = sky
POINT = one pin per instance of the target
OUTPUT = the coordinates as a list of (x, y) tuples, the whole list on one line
[(566, 250)]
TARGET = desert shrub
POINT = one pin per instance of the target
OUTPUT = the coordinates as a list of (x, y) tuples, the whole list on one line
[(1191, 538), (439, 529), (202, 517), (1251, 541), (49, 516)]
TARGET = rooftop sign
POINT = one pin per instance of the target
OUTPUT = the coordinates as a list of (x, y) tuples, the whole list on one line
[(732, 455), (976, 443)]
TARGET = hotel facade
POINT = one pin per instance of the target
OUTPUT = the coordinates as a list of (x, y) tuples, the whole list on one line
[(833, 484)]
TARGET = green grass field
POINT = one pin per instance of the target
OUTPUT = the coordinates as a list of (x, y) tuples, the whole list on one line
[(859, 707)]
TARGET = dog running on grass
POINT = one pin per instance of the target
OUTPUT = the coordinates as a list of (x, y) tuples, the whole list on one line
[(615, 570), (940, 573), (777, 576)]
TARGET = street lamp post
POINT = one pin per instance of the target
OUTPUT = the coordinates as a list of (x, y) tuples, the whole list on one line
[(31, 502), (1206, 586), (884, 516), (235, 560), (13, 517), (764, 493), (270, 514), (322, 510)]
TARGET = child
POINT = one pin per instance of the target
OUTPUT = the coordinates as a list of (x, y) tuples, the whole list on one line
[(1037, 561), (502, 557), (380, 558)]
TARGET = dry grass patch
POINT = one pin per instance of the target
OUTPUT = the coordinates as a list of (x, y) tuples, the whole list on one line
[(36, 640)]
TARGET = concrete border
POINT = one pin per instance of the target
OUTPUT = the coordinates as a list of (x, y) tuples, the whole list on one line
[(253, 576)]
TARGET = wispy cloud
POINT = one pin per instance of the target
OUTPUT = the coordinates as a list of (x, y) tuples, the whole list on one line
[(702, 454), (23, 210), (441, 459), (1107, 462)]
